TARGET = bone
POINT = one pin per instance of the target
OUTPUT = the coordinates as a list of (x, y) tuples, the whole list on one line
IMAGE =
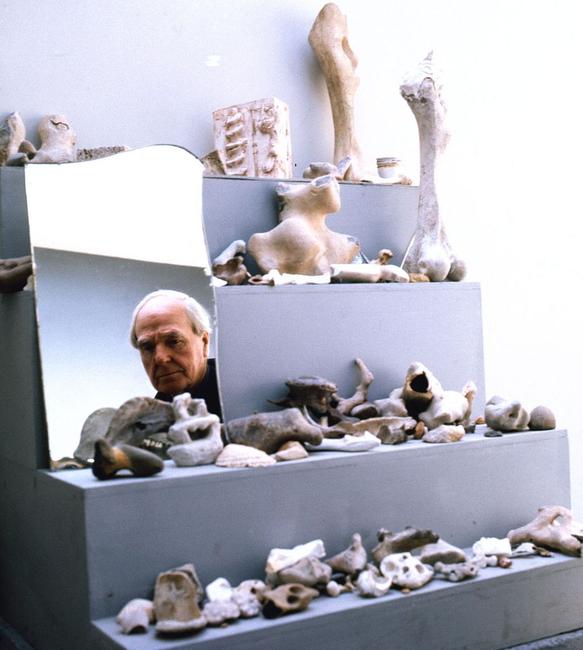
[(444, 433), (57, 141), (403, 541), (12, 134), (309, 571), (311, 392), (551, 528), (282, 558), (274, 278), (541, 419), (95, 426), (136, 616), (14, 273), (287, 599), (372, 425), (328, 39), (370, 583), (351, 560), (406, 571), (356, 273), (228, 266), (176, 601), (364, 442), (269, 431), (430, 252), (317, 169), (302, 243), (109, 460), (137, 418), (505, 415), (253, 139), (451, 407), (345, 405), (441, 551)]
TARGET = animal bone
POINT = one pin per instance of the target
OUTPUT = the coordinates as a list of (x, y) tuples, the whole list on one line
[(546, 530), (253, 139), (441, 551), (541, 419), (138, 418), (420, 388), (57, 141), (370, 584), (228, 266), (317, 169), (14, 273), (197, 433), (176, 600), (430, 252), (314, 393), (136, 615), (372, 425), (368, 273), (268, 431), (505, 415), (406, 571), (274, 278), (334, 589), (282, 558), (393, 435), (450, 407), (351, 560), (309, 571), (328, 39), (302, 242), (108, 460), (363, 442), (406, 540), (287, 599), (445, 433), (237, 456), (458, 571), (12, 133)]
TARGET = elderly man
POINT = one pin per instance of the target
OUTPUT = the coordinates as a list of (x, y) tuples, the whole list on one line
[(171, 330)]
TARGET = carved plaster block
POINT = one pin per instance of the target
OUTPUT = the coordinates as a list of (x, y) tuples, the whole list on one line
[(253, 139)]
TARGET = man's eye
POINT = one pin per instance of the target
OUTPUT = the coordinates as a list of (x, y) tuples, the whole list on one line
[(145, 347), (175, 342)]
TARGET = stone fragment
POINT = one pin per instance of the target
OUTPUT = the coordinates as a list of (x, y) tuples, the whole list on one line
[(458, 571), (176, 603), (309, 571), (542, 419), (253, 139), (492, 546), (291, 450)]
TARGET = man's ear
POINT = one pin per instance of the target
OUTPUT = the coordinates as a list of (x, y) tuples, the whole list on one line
[(205, 341)]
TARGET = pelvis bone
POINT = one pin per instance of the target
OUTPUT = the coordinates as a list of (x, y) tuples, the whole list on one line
[(430, 252), (302, 242)]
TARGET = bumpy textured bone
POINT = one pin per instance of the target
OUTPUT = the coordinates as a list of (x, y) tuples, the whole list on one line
[(370, 583), (234, 456), (441, 551), (282, 558), (329, 41), (138, 418), (546, 530), (12, 133), (268, 431), (136, 615), (406, 571), (253, 139), (57, 141), (309, 571), (302, 242), (14, 273), (505, 415), (405, 540), (450, 407), (197, 433), (176, 602), (228, 266), (541, 419), (108, 460), (430, 252), (287, 599), (352, 559)]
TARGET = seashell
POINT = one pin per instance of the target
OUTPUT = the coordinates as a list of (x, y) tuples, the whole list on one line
[(505, 415), (492, 546), (243, 456), (217, 612), (136, 615), (219, 589), (176, 603), (287, 599), (441, 551), (364, 442), (109, 460), (137, 418), (282, 558), (406, 571), (370, 584), (268, 431), (95, 426), (351, 560), (291, 450), (445, 433), (309, 571), (542, 419), (406, 540), (458, 571)]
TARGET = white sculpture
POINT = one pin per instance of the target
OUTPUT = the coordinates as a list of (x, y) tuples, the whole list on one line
[(253, 139), (430, 252)]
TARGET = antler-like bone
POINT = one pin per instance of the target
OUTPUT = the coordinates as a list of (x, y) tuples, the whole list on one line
[(430, 252), (546, 530), (329, 40)]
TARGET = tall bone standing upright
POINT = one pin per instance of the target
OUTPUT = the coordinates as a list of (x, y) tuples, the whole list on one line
[(430, 252)]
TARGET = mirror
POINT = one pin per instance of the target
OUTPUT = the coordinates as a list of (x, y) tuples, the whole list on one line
[(105, 233)]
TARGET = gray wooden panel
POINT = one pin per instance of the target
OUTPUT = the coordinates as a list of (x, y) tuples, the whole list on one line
[(270, 334), (226, 521), (379, 216)]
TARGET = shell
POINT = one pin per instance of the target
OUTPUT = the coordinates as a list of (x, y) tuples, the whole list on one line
[(234, 455)]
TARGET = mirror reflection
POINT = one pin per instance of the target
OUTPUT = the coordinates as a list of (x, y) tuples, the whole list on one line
[(105, 234)]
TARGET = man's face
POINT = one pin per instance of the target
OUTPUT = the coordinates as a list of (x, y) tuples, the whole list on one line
[(174, 357)]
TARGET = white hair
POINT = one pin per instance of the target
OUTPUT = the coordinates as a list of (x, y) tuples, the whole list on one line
[(197, 315)]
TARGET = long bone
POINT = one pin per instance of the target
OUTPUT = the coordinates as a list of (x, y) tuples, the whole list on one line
[(430, 252), (329, 41)]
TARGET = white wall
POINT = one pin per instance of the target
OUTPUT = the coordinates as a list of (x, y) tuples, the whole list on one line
[(140, 72)]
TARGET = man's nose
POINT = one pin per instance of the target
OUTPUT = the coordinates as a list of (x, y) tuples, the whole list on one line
[(162, 354)]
